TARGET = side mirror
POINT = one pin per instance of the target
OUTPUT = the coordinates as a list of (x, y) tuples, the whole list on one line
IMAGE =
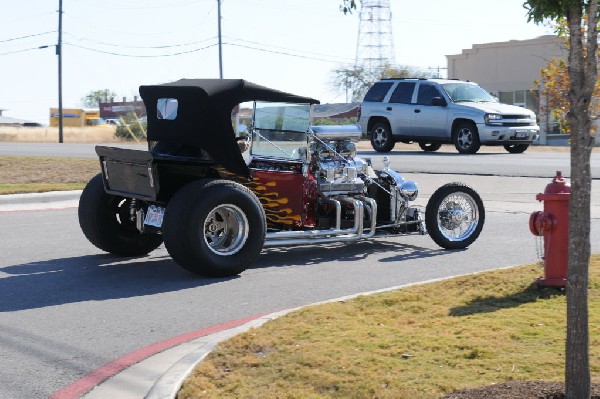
[(439, 101)]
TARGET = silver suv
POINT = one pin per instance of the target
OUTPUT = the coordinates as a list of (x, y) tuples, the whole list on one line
[(433, 112)]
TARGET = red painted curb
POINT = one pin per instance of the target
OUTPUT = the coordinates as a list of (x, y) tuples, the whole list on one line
[(101, 374)]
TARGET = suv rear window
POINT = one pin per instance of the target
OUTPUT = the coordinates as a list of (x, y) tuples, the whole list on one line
[(403, 93), (378, 91)]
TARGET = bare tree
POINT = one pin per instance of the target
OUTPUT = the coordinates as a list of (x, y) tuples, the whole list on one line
[(95, 97), (358, 80)]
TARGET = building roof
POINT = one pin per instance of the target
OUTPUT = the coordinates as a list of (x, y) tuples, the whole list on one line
[(5, 120)]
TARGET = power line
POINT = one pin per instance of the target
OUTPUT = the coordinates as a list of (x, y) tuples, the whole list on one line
[(25, 37), (289, 49), (143, 5), (141, 55), (280, 52), (24, 50), (138, 47), (286, 53)]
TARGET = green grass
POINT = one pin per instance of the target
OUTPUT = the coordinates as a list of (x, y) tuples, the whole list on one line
[(419, 342)]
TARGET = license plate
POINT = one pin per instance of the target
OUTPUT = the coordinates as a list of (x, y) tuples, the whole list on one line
[(521, 135), (155, 215)]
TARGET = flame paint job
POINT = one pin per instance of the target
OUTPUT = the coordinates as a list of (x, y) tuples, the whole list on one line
[(281, 195), (289, 197)]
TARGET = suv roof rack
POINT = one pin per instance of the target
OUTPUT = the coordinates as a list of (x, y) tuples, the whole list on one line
[(403, 78)]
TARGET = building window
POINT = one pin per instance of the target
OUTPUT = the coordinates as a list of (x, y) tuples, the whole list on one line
[(529, 99), (505, 97)]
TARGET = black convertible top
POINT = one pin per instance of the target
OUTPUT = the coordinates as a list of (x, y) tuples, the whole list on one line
[(204, 114)]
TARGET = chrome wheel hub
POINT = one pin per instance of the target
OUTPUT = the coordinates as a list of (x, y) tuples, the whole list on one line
[(226, 229), (380, 137), (464, 138), (458, 216)]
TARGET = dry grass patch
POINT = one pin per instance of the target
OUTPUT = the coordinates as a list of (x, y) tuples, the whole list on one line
[(419, 342), (35, 174)]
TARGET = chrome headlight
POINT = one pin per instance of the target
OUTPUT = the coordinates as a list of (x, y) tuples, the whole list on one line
[(492, 119), (409, 190)]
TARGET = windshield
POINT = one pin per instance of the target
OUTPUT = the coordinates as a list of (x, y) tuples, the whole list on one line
[(467, 92), (280, 130)]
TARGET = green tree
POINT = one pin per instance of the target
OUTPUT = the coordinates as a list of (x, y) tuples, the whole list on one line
[(131, 128), (581, 18), (95, 97), (554, 82)]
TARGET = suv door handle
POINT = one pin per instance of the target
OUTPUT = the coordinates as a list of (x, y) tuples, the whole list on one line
[(388, 108), (416, 111)]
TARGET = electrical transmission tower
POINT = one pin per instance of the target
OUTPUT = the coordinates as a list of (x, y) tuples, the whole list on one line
[(375, 46)]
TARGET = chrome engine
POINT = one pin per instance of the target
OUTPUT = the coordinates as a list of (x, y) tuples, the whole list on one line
[(340, 173), (356, 200), (338, 170)]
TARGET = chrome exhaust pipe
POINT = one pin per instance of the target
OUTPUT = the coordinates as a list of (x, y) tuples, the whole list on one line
[(357, 231), (330, 235), (372, 208)]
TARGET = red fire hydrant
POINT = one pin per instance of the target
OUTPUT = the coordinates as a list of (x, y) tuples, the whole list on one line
[(553, 224)]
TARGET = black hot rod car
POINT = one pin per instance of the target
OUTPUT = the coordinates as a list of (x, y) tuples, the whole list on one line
[(216, 207)]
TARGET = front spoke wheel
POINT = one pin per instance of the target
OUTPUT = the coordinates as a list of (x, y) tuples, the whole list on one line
[(454, 216)]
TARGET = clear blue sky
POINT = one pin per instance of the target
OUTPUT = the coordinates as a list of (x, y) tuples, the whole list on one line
[(290, 45)]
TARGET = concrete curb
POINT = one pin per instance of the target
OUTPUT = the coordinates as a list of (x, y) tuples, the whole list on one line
[(168, 384), (36, 201)]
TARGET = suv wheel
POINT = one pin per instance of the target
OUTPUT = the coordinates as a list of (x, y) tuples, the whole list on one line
[(516, 148), (381, 137), (429, 147), (466, 138)]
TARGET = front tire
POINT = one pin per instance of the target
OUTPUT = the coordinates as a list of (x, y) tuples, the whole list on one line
[(381, 137), (104, 220), (466, 138), (454, 216), (516, 148), (214, 228)]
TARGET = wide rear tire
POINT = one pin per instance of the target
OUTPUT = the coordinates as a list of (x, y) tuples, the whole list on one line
[(104, 220), (214, 228), (454, 216)]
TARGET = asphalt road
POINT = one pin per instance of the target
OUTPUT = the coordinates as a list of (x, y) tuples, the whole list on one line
[(489, 161), (66, 308)]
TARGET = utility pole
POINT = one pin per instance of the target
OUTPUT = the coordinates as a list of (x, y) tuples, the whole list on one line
[(59, 54), (220, 41)]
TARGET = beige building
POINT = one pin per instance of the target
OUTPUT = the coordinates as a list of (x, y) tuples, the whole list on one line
[(508, 71)]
